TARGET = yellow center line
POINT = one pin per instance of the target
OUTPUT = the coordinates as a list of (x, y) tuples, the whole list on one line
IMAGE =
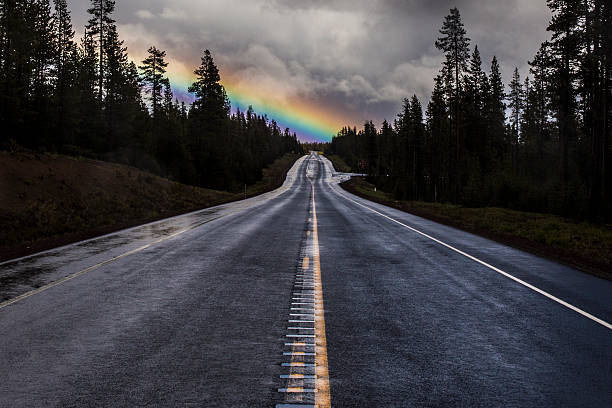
[(305, 263), (322, 397)]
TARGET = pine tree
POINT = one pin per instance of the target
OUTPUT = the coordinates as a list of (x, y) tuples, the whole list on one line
[(116, 61), (496, 112), (38, 116), (478, 143), (65, 46), (208, 119), (516, 97), (437, 122), (65, 74), (418, 136), (99, 27), (210, 94), (516, 105), (455, 46), (168, 107), (564, 45), (89, 105), (541, 69), (153, 70)]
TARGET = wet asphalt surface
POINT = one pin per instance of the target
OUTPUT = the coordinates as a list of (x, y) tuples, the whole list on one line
[(198, 319)]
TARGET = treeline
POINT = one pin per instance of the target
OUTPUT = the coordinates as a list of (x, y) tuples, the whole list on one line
[(544, 146), (85, 97)]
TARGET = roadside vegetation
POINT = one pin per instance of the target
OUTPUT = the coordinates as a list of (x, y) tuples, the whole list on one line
[(339, 163), (583, 245), (49, 200), (86, 97), (536, 144)]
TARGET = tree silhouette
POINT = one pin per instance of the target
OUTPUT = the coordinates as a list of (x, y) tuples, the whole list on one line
[(99, 26), (455, 46), (153, 69)]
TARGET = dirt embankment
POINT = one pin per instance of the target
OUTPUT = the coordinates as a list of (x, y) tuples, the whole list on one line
[(48, 200)]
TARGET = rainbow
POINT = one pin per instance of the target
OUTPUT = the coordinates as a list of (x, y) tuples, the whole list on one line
[(311, 123)]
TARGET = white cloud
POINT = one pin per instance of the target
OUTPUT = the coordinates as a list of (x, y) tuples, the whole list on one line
[(145, 14), (173, 14)]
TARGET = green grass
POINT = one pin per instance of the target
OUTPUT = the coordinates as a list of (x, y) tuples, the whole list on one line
[(580, 244)]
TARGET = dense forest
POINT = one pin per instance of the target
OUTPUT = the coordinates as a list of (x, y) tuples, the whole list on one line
[(544, 146), (86, 97)]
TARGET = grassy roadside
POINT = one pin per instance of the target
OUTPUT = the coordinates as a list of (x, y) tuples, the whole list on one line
[(273, 176), (50, 200), (587, 247), (339, 164)]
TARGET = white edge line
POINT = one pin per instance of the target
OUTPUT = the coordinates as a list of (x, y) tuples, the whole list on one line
[(215, 207), (473, 258), (98, 265)]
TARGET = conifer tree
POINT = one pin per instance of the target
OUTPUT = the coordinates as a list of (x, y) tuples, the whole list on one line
[(455, 45), (515, 97), (65, 74), (516, 105), (418, 136), (437, 122), (496, 111), (208, 119), (99, 27), (153, 70), (474, 102), (564, 45), (210, 94)]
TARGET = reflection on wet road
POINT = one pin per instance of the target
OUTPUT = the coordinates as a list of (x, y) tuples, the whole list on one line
[(28, 273)]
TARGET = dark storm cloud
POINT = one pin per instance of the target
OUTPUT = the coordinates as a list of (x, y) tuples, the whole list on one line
[(360, 56)]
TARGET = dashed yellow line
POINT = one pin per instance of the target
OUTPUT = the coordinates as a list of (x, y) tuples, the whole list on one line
[(305, 263), (322, 396)]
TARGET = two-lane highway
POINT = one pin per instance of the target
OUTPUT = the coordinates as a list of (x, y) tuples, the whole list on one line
[(304, 296)]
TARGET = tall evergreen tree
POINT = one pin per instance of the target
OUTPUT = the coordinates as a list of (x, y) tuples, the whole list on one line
[(455, 45), (208, 116), (153, 70), (476, 94), (564, 46), (65, 73), (437, 122), (516, 105), (496, 111), (99, 27)]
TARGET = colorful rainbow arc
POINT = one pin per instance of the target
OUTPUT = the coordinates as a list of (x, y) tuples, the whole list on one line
[(309, 122), (296, 118)]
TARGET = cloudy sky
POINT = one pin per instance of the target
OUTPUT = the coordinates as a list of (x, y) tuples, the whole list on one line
[(317, 64)]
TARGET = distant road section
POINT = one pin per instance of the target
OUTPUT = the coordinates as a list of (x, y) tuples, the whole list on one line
[(305, 296)]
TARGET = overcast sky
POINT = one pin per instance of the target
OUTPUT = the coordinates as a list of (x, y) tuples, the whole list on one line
[(357, 58)]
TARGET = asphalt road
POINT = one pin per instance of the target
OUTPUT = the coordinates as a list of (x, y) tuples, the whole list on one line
[(260, 302)]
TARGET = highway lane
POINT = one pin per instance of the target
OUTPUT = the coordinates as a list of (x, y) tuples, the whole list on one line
[(194, 320), (413, 323), (197, 310)]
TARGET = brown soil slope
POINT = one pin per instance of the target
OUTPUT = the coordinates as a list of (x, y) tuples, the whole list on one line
[(49, 200)]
